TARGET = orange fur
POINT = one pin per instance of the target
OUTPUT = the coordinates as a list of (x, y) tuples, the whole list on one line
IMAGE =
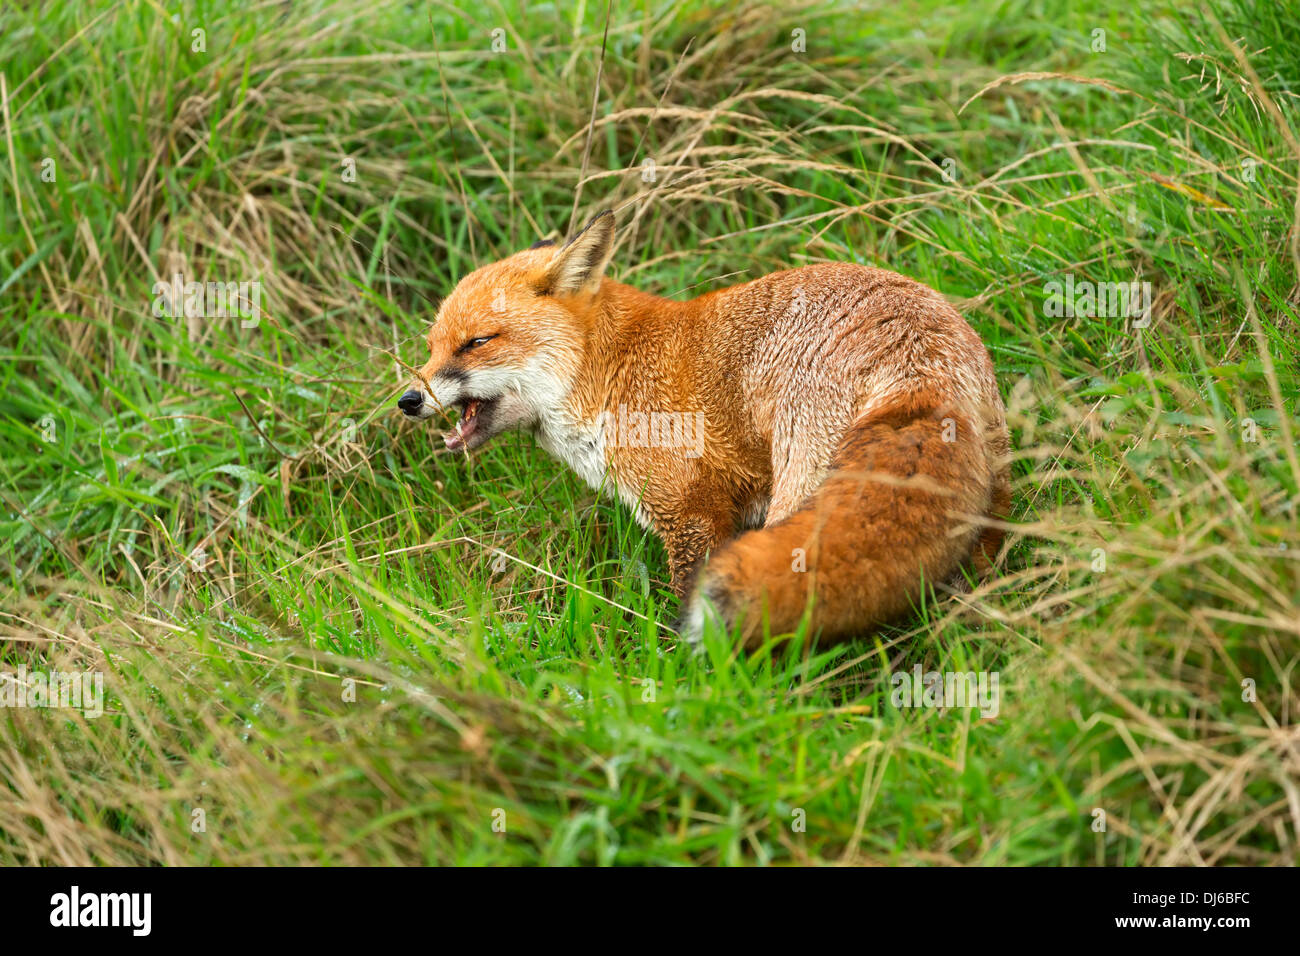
[(844, 420)]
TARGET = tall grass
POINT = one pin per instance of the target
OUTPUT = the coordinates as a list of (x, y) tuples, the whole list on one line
[(342, 646)]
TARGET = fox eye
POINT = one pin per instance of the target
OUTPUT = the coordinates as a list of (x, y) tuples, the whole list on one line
[(475, 343)]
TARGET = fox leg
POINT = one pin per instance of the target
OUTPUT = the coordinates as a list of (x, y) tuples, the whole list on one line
[(802, 450), (691, 532), (791, 488)]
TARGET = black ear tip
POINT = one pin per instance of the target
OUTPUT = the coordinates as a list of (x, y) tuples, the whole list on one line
[(600, 217)]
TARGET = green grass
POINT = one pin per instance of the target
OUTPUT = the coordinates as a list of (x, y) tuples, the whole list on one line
[(346, 647)]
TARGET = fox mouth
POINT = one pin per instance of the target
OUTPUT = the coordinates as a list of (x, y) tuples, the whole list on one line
[(474, 426)]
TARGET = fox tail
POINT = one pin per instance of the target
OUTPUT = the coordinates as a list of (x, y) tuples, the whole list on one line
[(901, 505)]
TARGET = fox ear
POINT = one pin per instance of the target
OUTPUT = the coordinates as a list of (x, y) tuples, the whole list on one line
[(581, 262)]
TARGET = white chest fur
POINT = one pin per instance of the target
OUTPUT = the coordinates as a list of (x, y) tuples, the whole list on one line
[(581, 446)]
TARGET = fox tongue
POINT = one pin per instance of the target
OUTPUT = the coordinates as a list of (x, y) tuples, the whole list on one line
[(464, 428)]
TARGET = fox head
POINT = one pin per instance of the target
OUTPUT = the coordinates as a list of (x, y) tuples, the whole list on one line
[(507, 343)]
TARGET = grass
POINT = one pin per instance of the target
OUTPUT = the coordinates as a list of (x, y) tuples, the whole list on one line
[(325, 642)]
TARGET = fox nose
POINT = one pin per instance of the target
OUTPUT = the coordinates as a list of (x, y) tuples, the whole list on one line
[(410, 402)]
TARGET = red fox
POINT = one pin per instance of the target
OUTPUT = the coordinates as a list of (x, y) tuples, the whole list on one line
[(822, 440)]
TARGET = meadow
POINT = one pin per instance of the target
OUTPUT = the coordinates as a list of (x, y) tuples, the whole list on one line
[(323, 640)]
